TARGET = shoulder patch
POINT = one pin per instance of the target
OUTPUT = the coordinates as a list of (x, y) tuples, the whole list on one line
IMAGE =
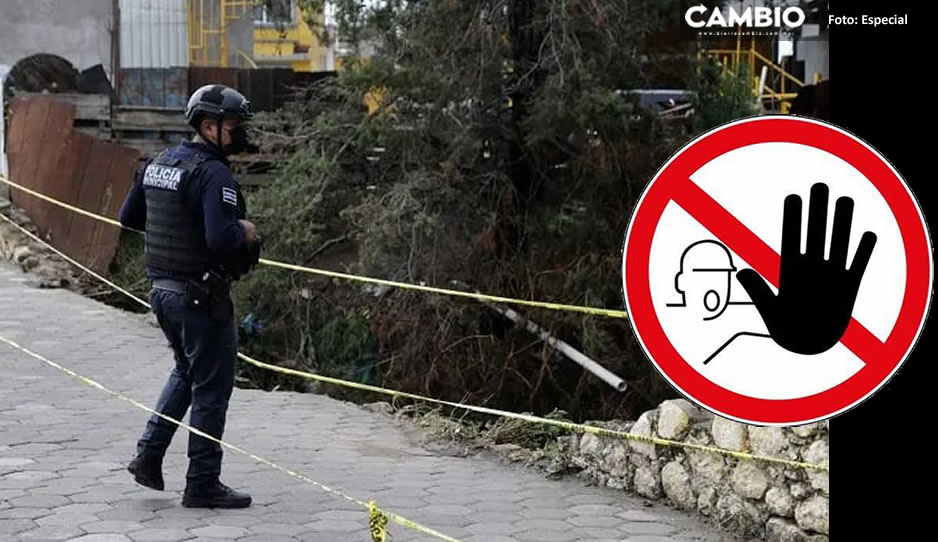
[(229, 195), (162, 177)]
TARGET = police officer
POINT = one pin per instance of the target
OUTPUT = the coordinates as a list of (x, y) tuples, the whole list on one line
[(197, 242)]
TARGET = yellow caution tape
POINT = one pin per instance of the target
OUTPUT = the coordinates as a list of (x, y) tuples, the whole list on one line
[(377, 523), (445, 291), (569, 426), (376, 527), (54, 201), (311, 270)]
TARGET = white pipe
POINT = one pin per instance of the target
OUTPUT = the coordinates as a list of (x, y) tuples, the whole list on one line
[(580, 358)]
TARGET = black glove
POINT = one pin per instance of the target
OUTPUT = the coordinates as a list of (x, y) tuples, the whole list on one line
[(254, 253), (243, 261)]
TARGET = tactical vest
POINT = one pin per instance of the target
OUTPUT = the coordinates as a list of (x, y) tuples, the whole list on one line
[(175, 234)]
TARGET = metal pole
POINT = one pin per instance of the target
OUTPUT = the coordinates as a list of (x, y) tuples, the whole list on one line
[(596, 369), (752, 56), (575, 355), (223, 33), (5, 190), (739, 38), (116, 47)]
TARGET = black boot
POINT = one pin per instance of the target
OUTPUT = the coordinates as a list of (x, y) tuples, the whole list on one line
[(147, 471), (214, 495)]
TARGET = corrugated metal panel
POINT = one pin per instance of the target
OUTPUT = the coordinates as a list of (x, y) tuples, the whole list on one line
[(154, 34), (42, 146), (154, 87)]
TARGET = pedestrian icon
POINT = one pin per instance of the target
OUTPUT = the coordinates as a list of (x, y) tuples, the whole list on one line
[(706, 277)]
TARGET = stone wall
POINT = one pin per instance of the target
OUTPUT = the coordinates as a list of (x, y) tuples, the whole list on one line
[(747, 498)]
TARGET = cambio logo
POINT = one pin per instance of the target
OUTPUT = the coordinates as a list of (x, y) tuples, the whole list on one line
[(758, 17)]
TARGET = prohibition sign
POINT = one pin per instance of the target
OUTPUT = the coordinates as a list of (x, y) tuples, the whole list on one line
[(896, 289)]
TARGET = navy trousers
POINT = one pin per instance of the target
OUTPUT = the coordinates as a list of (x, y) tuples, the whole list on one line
[(205, 349)]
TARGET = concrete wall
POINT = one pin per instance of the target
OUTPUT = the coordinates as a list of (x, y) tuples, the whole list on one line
[(77, 30)]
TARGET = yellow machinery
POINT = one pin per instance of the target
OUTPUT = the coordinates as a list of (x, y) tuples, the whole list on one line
[(769, 81), (209, 22), (211, 44)]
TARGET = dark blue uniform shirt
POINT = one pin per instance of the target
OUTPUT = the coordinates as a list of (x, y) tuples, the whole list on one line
[(204, 195)]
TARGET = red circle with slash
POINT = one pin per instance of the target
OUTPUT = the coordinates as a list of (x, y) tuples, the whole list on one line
[(673, 183)]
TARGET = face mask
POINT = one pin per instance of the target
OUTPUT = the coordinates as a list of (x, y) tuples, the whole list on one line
[(239, 140)]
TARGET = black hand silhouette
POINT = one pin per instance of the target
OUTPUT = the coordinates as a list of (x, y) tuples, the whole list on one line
[(815, 296)]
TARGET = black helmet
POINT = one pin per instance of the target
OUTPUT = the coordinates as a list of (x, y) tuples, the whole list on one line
[(217, 102)]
